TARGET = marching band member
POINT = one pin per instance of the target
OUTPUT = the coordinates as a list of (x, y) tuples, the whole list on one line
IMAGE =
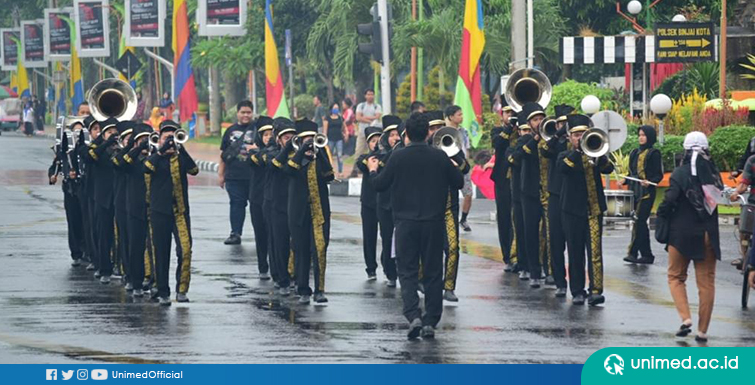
[(100, 154), (583, 204), (139, 245), (556, 240), (121, 261), (515, 164), (310, 172), (169, 206), (368, 202), (533, 186), (87, 171), (644, 164), (276, 193), (393, 128), (262, 235), (501, 138), (419, 178), (435, 121)]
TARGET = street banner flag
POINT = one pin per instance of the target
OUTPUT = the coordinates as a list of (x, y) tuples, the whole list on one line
[(276, 97), (468, 89), (14, 81), (185, 91), (60, 90), (21, 77), (77, 85)]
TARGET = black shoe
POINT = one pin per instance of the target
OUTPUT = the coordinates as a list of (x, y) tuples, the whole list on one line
[(702, 340), (464, 225), (507, 267), (630, 259), (578, 299), (320, 298), (684, 330), (233, 239), (549, 281), (371, 277), (414, 329), (428, 332), (561, 292), (646, 260), (596, 299), (91, 267)]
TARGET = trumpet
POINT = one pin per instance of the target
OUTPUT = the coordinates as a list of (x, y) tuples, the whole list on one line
[(449, 140), (112, 98), (595, 143), (548, 129), (181, 136), (320, 141), (528, 85), (154, 140)]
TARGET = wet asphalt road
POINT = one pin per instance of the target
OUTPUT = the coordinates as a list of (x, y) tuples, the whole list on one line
[(53, 313)]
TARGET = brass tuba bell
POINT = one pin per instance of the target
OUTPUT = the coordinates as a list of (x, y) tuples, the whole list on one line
[(594, 143), (528, 85), (112, 98), (449, 140)]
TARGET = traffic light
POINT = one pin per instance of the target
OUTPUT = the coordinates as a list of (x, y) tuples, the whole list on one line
[(375, 46)]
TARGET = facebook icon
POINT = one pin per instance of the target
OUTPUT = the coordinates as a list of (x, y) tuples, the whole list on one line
[(52, 375)]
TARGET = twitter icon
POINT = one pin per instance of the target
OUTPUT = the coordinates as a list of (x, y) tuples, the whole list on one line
[(67, 375)]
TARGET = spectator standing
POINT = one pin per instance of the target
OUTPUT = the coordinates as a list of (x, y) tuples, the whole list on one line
[(349, 132), (140, 106), (333, 128), (28, 119), (167, 106), (368, 114), (319, 112)]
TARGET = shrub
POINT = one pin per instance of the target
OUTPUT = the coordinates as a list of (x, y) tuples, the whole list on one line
[(727, 145), (571, 92), (681, 119), (303, 105)]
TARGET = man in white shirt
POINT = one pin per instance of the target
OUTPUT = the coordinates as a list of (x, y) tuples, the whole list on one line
[(368, 114)]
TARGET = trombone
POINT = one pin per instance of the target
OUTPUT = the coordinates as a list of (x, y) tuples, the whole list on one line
[(595, 143), (549, 129), (528, 85)]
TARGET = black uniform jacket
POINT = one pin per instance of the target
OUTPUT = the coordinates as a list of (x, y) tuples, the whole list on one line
[(500, 138), (552, 149), (577, 180), (368, 196), (419, 177), (297, 168), (164, 170), (132, 164), (104, 173)]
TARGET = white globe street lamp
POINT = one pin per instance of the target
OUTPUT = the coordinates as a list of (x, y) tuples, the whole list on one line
[(679, 18), (660, 105), (634, 7), (590, 104)]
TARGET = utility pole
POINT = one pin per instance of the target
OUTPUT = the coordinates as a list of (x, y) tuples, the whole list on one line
[(722, 47), (518, 35), (413, 71), (420, 59), (530, 35), (385, 66)]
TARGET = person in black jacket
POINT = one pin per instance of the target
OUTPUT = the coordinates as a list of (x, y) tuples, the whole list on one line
[(419, 178), (501, 140), (534, 184), (644, 164), (518, 251), (368, 200), (692, 232), (131, 163), (276, 197), (310, 172), (169, 206), (100, 153), (556, 239), (121, 255), (86, 171), (65, 164), (262, 134), (583, 203)]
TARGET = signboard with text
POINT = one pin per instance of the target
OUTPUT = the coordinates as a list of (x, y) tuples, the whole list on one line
[(58, 34), (33, 43), (145, 23), (9, 38), (92, 28), (221, 17), (685, 42)]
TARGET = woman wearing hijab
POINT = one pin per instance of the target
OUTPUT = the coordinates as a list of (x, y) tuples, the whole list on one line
[(693, 232), (645, 165), (156, 117)]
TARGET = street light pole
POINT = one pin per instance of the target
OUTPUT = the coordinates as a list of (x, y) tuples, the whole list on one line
[(385, 68), (722, 61)]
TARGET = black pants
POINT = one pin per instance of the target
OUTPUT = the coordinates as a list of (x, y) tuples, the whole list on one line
[(105, 239), (584, 233), (532, 211), (503, 217), (137, 247), (307, 254), (451, 247), (238, 193), (385, 218), (281, 247), (87, 226), (267, 213), (640, 243), (421, 242), (518, 248), (556, 240), (163, 226), (74, 219), (122, 242), (260, 237), (94, 232), (369, 238)]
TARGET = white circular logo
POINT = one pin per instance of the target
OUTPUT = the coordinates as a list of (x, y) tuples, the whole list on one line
[(614, 365)]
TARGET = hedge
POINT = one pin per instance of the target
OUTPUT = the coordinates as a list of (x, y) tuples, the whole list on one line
[(727, 144)]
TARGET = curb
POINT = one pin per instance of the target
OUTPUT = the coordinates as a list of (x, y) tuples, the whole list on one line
[(207, 166)]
